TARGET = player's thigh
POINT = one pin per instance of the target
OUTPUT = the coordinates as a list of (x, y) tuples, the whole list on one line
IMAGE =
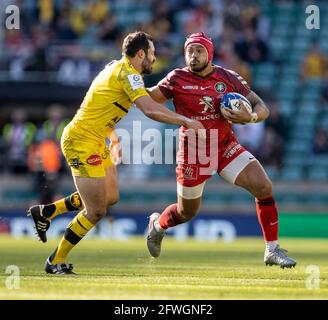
[(190, 187), (254, 179), (112, 190), (93, 193)]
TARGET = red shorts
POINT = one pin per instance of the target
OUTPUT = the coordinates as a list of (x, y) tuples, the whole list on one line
[(227, 158)]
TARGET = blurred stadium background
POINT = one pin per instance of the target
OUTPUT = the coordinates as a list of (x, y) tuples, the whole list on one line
[(47, 65)]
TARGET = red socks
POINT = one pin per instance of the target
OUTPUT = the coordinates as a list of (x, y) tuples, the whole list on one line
[(169, 217), (266, 211), (267, 214)]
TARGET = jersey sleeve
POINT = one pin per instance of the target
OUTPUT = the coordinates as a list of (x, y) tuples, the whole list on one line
[(132, 84), (240, 84), (166, 86)]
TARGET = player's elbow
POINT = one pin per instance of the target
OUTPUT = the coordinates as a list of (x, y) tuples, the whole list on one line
[(265, 112)]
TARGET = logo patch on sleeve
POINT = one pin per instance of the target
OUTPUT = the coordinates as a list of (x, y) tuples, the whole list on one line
[(135, 81)]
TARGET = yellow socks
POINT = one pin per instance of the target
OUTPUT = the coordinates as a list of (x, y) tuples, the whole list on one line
[(75, 231), (71, 203)]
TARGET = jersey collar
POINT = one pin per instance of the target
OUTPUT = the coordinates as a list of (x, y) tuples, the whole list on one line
[(126, 60)]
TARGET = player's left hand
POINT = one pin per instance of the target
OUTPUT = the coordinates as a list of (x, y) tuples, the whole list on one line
[(237, 116), (115, 152)]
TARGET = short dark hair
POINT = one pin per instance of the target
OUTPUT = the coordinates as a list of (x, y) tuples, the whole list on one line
[(135, 41)]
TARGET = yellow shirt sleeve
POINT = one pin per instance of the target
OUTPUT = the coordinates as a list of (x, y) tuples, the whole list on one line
[(132, 84)]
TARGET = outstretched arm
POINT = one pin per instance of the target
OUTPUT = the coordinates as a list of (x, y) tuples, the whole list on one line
[(156, 94), (158, 112)]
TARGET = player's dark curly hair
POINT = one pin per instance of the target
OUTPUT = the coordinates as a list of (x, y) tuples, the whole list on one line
[(135, 41)]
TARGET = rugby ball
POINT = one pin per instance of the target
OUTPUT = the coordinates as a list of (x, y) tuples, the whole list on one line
[(231, 101)]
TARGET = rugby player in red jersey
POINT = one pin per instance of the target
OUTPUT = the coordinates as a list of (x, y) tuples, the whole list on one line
[(196, 91)]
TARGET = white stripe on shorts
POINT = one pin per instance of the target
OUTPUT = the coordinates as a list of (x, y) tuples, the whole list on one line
[(237, 165), (190, 192)]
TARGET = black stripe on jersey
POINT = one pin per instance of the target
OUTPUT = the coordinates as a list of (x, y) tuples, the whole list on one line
[(110, 63), (121, 107)]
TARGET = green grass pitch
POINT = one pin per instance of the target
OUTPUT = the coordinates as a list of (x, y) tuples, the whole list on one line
[(186, 270)]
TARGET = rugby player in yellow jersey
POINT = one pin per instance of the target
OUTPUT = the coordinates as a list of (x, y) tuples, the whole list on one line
[(107, 101)]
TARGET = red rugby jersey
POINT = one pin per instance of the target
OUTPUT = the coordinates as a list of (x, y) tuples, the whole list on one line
[(199, 97)]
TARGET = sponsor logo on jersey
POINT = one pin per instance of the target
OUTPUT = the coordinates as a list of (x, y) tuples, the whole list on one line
[(195, 87), (207, 102), (94, 160), (136, 81), (220, 87), (207, 117), (190, 87)]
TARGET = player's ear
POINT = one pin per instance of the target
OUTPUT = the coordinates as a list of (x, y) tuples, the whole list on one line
[(141, 54)]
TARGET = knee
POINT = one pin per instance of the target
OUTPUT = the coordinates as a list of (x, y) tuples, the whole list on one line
[(263, 189), (113, 199), (97, 213)]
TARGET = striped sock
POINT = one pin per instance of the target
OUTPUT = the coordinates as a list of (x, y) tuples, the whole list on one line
[(75, 231), (71, 203)]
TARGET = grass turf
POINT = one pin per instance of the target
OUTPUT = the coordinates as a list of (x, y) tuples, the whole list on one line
[(186, 270)]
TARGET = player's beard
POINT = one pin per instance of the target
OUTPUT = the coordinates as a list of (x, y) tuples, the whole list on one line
[(198, 68), (147, 66)]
